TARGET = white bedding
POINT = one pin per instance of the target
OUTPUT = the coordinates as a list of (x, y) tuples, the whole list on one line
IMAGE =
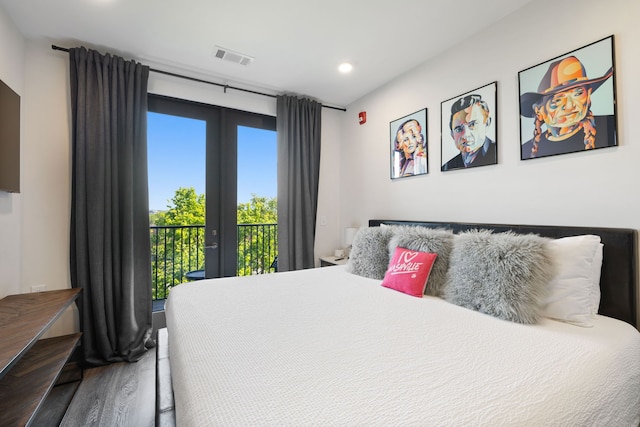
[(325, 347)]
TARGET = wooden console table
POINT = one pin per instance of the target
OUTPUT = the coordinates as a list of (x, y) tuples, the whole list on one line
[(29, 366)]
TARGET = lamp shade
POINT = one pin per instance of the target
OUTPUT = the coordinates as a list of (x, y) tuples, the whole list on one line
[(349, 233)]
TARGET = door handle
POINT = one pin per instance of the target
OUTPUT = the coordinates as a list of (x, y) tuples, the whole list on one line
[(212, 246)]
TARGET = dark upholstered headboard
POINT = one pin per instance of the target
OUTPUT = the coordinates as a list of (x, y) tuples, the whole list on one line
[(618, 278)]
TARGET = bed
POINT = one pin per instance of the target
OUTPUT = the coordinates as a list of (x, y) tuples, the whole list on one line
[(329, 347)]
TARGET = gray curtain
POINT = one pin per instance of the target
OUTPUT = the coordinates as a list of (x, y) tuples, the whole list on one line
[(298, 126), (109, 245)]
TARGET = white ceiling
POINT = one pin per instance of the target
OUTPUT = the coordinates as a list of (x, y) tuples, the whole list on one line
[(297, 44)]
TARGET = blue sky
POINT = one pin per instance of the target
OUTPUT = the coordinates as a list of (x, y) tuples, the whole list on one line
[(176, 154)]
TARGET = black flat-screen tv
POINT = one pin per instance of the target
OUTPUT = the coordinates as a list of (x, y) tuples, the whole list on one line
[(9, 139)]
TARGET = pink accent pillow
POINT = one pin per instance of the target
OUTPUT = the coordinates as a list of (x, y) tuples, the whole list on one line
[(408, 271)]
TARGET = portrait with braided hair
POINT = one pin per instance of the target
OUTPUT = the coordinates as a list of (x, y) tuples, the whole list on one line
[(567, 104)]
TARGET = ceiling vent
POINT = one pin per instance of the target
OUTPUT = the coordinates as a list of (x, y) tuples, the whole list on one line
[(231, 56)]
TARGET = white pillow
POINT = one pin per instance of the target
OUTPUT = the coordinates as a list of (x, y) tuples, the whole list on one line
[(574, 292), (595, 277)]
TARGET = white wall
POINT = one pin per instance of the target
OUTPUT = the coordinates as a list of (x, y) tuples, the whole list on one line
[(46, 177), (34, 225), (596, 188), (328, 229), (11, 73), (161, 84)]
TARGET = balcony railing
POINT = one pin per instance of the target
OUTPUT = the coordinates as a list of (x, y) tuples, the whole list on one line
[(179, 249)]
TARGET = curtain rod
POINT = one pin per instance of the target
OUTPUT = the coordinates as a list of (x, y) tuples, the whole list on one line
[(224, 86)]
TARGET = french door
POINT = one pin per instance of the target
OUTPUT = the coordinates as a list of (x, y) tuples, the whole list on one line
[(221, 174)]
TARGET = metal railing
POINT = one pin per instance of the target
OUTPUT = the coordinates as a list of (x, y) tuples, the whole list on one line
[(177, 250), (257, 249)]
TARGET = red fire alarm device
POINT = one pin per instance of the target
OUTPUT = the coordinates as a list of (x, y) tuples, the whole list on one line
[(362, 117)]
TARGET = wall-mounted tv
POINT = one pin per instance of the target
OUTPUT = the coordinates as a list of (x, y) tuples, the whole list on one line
[(9, 139)]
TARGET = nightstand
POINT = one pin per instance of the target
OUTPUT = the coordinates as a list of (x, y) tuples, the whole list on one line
[(327, 261)]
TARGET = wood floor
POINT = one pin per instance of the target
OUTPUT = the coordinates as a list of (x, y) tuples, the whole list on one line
[(121, 394)]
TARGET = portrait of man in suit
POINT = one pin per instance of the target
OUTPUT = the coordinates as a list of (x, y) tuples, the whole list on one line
[(468, 131)]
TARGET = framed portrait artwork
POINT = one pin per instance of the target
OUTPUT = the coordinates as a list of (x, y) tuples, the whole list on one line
[(567, 104), (409, 145), (468, 129)]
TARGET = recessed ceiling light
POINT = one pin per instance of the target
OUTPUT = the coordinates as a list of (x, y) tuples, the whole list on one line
[(345, 67)]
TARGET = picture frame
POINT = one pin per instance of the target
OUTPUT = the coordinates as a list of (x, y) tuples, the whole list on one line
[(409, 145), (468, 129), (568, 103)]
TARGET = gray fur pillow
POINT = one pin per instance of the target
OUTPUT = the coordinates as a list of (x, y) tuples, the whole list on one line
[(422, 239), (369, 255), (504, 274)]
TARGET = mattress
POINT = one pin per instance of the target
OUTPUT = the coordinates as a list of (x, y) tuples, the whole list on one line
[(325, 347)]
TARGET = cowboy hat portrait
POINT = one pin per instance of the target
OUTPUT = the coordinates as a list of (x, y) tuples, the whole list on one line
[(567, 104)]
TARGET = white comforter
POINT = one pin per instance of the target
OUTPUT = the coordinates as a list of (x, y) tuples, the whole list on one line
[(325, 347)]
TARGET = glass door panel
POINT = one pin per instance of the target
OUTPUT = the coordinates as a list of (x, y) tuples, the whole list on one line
[(182, 137), (204, 149), (240, 154), (257, 204)]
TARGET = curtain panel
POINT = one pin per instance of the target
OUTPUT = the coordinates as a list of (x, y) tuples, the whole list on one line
[(298, 126), (109, 242)]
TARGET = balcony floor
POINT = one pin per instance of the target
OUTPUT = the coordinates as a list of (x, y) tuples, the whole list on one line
[(158, 305)]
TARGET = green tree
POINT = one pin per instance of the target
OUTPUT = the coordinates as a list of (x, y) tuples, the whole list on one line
[(178, 238), (153, 217), (177, 241), (258, 210), (257, 235), (186, 208)]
